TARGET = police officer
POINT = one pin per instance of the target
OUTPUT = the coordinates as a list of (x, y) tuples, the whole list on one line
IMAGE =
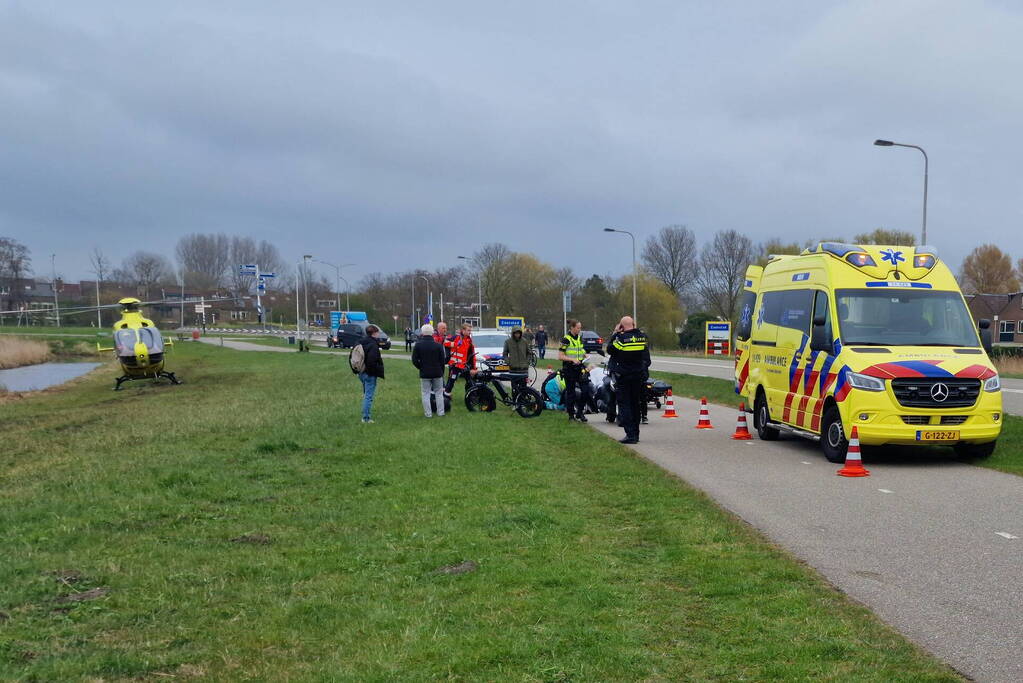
[(571, 353), (630, 354)]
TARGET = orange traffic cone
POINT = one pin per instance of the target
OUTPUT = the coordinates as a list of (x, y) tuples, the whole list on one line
[(704, 422), (853, 464), (741, 430), (669, 406)]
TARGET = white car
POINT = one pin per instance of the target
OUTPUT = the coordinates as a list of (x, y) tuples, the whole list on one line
[(489, 343)]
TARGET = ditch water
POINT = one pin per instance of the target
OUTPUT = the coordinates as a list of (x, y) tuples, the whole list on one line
[(42, 376)]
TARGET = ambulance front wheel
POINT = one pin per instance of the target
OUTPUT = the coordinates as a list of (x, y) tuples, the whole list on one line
[(833, 441), (762, 419)]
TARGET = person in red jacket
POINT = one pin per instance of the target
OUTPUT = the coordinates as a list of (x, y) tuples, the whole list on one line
[(463, 357)]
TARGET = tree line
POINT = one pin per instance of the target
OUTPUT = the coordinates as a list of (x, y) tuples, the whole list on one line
[(679, 280)]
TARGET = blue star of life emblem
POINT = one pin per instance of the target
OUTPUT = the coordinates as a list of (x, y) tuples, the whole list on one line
[(892, 256), (760, 317), (747, 315)]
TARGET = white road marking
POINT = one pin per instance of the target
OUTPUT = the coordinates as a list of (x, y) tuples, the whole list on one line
[(1014, 391), (805, 462), (884, 490), (1005, 535)]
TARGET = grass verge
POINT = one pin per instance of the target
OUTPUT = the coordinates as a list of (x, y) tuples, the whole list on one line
[(245, 525)]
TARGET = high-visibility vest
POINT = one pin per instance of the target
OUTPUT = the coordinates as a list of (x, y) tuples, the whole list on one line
[(460, 351), (575, 350)]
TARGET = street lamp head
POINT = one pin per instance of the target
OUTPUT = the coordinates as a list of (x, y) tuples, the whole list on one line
[(464, 257), (883, 143), (610, 230)]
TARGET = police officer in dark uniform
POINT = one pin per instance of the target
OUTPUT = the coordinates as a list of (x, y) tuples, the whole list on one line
[(630, 352)]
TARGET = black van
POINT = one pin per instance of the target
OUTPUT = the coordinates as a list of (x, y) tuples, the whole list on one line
[(348, 335)]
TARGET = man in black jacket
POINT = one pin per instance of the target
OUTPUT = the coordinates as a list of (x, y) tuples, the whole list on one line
[(429, 357), (630, 356), (540, 339), (373, 370)]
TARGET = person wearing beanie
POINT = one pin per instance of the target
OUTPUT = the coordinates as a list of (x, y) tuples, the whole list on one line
[(428, 356)]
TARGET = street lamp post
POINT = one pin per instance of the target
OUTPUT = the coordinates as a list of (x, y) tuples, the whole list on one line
[(635, 320), (429, 295), (337, 269), (889, 143), (479, 291), (305, 288)]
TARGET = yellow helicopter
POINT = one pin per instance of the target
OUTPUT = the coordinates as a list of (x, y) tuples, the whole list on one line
[(138, 345)]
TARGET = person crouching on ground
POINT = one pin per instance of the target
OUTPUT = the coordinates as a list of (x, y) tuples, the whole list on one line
[(518, 354), (372, 370), (571, 353), (428, 356), (630, 352)]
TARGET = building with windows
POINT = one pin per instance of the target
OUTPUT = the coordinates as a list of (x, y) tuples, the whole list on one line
[(1005, 311)]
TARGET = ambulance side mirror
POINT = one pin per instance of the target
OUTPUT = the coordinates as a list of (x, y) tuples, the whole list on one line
[(984, 326), (819, 340)]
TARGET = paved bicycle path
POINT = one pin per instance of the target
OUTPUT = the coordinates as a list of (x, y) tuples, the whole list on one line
[(931, 545)]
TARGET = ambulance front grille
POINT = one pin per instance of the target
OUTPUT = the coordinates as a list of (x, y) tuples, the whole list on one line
[(923, 392)]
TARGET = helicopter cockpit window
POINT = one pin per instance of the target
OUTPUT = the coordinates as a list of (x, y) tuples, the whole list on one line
[(150, 336), (124, 340)]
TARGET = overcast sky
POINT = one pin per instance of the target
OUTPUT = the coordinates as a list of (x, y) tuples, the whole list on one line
[(400, 135)]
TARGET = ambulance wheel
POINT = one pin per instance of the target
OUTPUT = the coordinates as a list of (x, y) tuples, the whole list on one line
[(833, 441), (762, 418), (975, 450)]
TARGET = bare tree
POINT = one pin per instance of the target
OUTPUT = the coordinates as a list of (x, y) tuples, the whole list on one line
[(15, 264), (204, 260), (670, 256), (988, 270), (100, 264), (144, 270), (722, 272)]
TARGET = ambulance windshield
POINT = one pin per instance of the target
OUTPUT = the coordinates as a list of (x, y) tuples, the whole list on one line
[(904, 317)]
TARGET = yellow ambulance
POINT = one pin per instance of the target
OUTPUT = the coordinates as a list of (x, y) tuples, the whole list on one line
[(873, 337)]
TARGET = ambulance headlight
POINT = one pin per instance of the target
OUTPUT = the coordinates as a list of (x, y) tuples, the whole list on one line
[(865, 382), (992, 384)]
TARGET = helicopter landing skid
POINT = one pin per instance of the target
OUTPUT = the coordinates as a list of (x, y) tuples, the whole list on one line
[(125, 378)]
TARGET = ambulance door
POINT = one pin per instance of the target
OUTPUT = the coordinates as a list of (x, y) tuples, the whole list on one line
[(765, 365), (794, 318)]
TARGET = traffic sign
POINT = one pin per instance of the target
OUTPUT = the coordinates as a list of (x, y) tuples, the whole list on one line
[(268, 275)]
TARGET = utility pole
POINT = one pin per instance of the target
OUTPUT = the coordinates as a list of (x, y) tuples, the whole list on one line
[(53, 285)]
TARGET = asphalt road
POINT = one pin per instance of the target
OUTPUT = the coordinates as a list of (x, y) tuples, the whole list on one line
[(933, 546), (1012, 389)]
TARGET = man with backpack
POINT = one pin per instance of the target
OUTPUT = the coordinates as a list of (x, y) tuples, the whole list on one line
[(428, 357), (366, 361)]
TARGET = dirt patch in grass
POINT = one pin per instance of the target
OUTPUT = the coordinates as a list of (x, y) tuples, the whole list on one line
[(253, 539), (460, 568), (84, 596)]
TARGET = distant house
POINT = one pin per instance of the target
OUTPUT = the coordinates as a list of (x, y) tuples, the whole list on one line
[(1005, 311)]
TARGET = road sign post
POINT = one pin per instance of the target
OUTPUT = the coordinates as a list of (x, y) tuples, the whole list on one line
[(717, 338)]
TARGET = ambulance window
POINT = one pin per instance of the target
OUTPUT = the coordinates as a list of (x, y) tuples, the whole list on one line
[(795, 309), (746, 308), (771, 306)]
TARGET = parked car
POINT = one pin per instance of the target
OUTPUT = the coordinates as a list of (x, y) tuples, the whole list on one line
[(592, 342), (489, 343), (349, 334)]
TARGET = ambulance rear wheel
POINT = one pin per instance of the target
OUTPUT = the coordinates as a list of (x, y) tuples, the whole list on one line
[(762, 419), (833, 441)]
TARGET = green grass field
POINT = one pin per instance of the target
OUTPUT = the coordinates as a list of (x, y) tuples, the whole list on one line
[(245, 525)]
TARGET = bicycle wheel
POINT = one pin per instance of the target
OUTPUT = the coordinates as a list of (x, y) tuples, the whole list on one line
[(528, 402), (480, 399)]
